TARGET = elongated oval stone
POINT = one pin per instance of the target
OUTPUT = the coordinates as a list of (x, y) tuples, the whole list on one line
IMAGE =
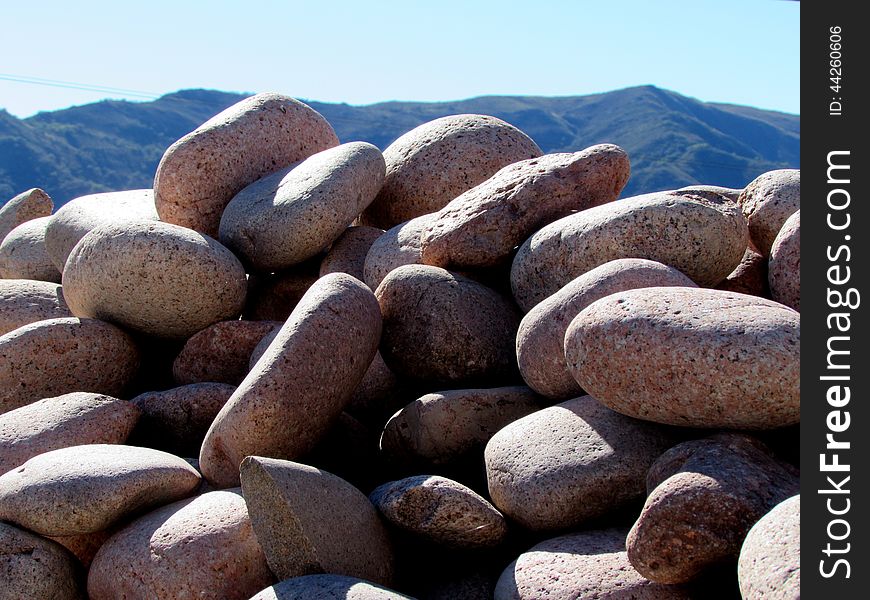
[(25, 301)]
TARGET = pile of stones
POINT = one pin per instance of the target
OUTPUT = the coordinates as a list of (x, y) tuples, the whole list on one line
[(460, 368)]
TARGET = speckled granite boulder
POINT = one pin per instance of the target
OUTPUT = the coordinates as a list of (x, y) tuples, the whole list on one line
[(768, 202), (769, 567), (176, 420), (785, 263), (57, 356), (328, 587), (68, 420), (444, 427), (220, 352), (541, 336), (706, 191), (76, 218), (34, 567), (31, 204), (203, 547), (481, 227), (84, 546), (296, 213), (348, 253), (397, 247), (704, 239), (273, 297), (310, 521), (82, 489), (23, 254), (155, 278), (24, 301), (749, 277), (200, 173), (692, 357), (589, 565), (301, 383), (564, 465), (441, 511), (437, 161), (704, 497), (440, 327)]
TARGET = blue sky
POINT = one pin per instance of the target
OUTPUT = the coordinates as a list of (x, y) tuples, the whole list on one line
[(739, 51)]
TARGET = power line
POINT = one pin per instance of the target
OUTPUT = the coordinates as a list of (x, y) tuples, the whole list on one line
[(73, 85)]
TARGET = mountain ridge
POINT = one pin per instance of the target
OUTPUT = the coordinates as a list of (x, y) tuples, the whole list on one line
[(672, 140)]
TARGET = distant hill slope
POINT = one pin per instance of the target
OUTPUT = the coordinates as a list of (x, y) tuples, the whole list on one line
[(672, 140)]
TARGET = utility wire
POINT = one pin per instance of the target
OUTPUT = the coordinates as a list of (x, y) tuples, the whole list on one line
[(72, 85)]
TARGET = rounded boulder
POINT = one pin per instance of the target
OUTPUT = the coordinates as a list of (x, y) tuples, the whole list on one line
[(34, 567), (767, 202), (27, 205), (784, 270), (23, 254), (769, 567), (26, 301)]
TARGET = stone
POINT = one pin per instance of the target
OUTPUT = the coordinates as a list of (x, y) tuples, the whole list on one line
[(443, 328), (273, 297), (562, 466), (58, 356), (481, 227), (711, 191), (704, 496), (785, 263), (69, 420), (587, 565), (176, 420), (302, 382), (296, 213), (220, 352), (23, 254), (200, 173), (34, 567), (348, 253), (704, 239), (78, 216), (437, 161), (769, 567), (541, 336), (202, 547), (397, 247), (87, 488), (441, 511), (84, 546), (690, 356), (27, 205), (309, 521), (749, 277), (445, 427), (155, 278), (25, 301), (328, 587), (378, 395), (767, 202)]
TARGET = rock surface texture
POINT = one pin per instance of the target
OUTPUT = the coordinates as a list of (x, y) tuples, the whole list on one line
[(769, 567)]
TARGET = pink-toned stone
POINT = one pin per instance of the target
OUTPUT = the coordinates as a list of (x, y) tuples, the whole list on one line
[(301, 383), (690, 356), (77, 217), (31, 204), (768, 202), (326, 587), (203, 548), (397, 247), (703, 238), (200, 173), (25, 301), (155, 278), (437, 161), (310, 521), (296, 213), (58, 356), (348, 253), (704, 497), (83, 489), (769, 567), (785, 263), (588, 565), (69, 420), (84, 546), (711, 191), (23, 254), (749, 277), (34, 567), (541, 336), (220, 352), (481, 227), (176, 420), (273, 297)]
